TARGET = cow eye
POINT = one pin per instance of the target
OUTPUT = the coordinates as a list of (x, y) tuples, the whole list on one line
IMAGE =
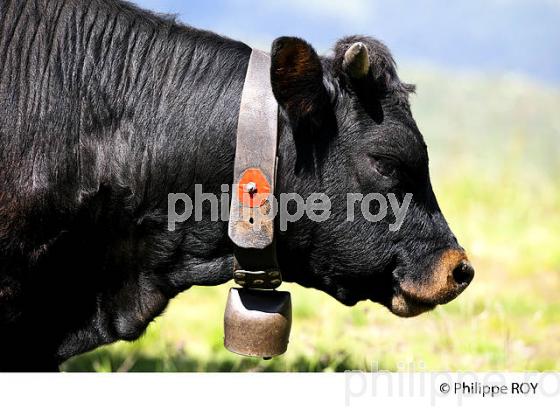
[(384, 166)]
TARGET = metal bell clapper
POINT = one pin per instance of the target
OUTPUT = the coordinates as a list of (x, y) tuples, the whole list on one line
[(257, 322)]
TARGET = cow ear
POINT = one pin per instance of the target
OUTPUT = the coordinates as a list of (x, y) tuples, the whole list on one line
[(297, 79)]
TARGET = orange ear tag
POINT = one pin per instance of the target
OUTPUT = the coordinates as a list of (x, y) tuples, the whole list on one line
[(253, 189)]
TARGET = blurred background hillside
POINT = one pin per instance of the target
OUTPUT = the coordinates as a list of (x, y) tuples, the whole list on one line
[(488, 104)]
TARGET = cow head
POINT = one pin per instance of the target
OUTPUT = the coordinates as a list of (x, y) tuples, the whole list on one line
[(348, 128)]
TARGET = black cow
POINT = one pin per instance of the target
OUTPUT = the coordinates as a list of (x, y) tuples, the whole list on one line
[(105, 109)]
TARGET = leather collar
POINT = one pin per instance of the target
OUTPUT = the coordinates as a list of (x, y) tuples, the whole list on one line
[(250, 228)]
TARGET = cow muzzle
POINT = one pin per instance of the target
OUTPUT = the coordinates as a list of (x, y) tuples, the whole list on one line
[(449, 276)]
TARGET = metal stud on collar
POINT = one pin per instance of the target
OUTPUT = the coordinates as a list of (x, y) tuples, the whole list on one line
[(251, 188)]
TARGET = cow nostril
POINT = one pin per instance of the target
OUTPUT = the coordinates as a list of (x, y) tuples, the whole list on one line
[(463, 272)]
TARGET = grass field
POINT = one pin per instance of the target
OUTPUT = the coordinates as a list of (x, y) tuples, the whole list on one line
[(495, 149)]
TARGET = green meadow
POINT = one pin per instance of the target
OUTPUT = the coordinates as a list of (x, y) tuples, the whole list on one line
[(494, 145)]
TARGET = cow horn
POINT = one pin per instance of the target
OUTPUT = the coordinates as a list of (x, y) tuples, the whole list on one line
[(356, 60)]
